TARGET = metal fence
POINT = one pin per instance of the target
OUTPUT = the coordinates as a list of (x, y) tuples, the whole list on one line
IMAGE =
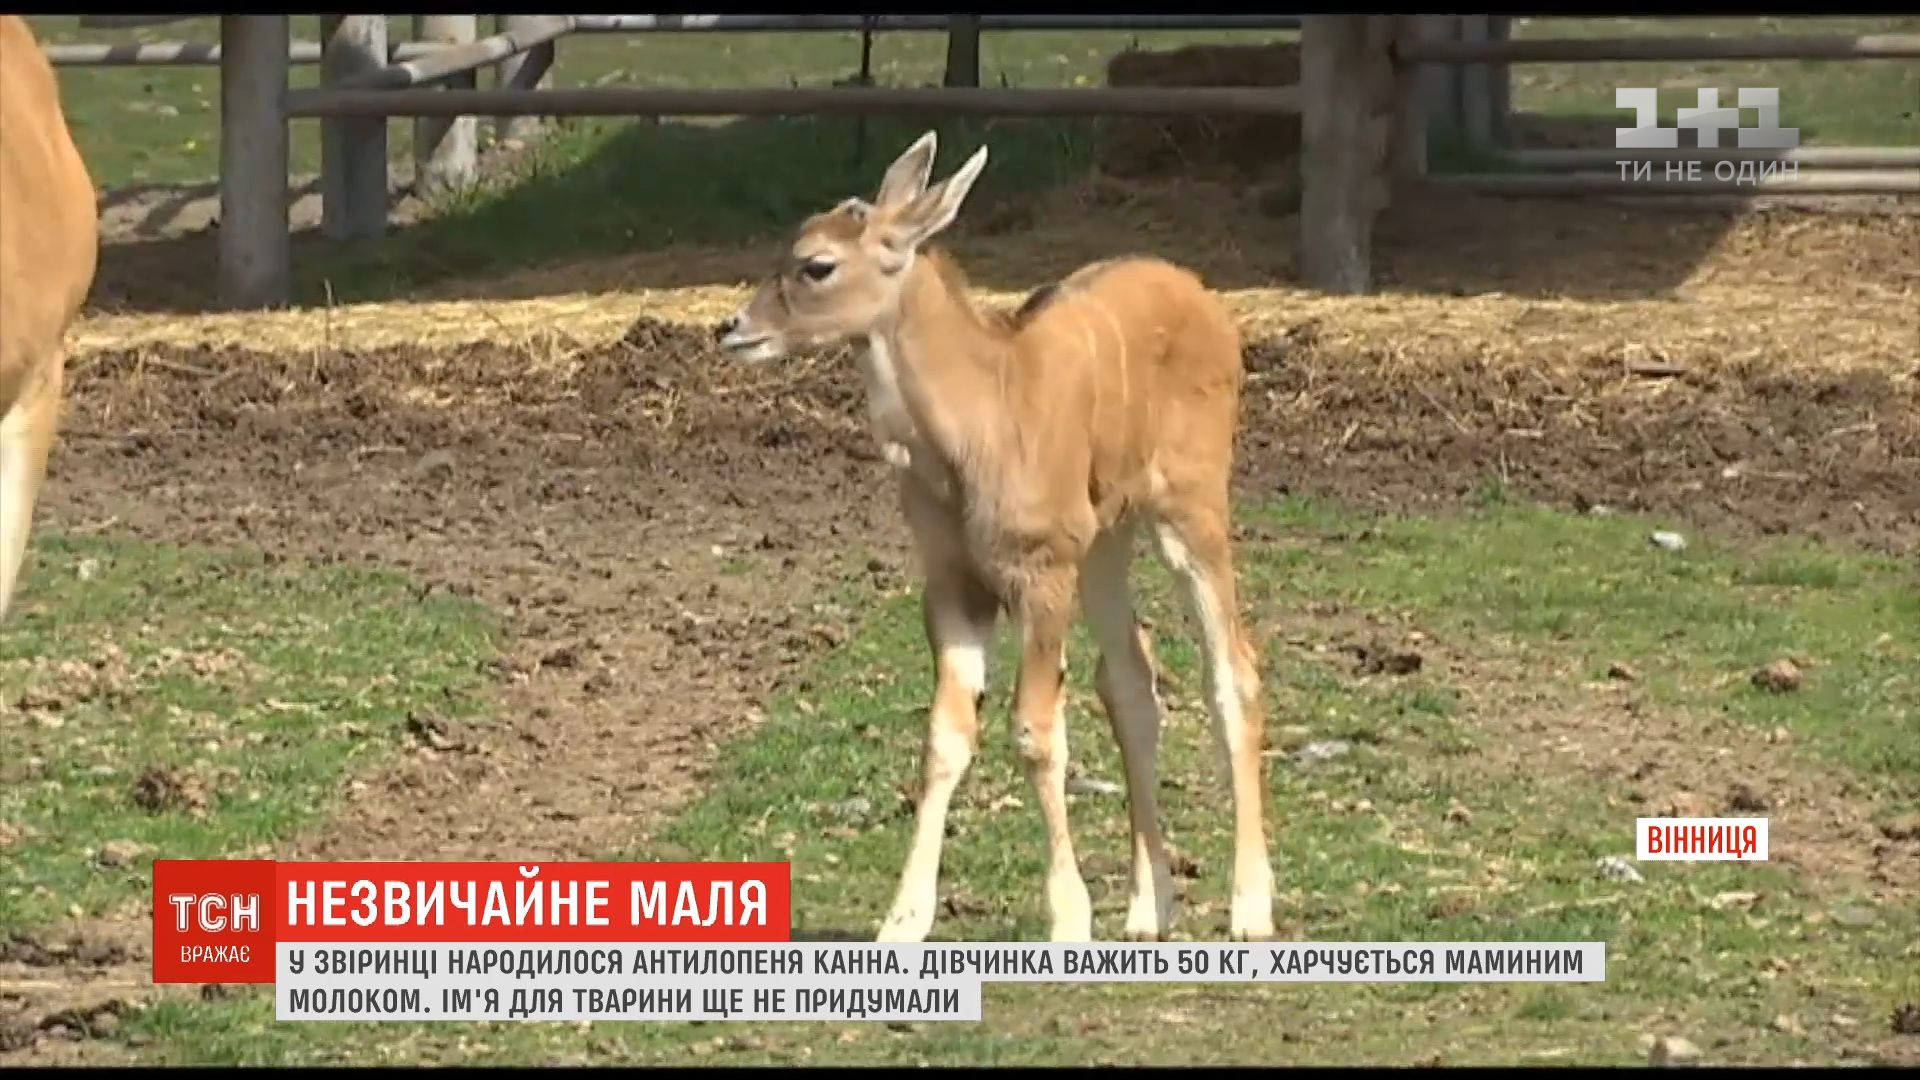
[(1369, 88)]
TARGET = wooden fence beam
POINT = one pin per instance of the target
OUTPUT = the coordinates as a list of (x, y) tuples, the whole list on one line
[(963, 50), (192, 53), (1499, 85), (1439, 83), (1476, 86), (1336, 200), (353, 149), (805, 101), (444, 146), (458, 52), (1819, 157), (1412, 108), (623, 24), (1817, 182), (530, 70), (159, 54), (126, 22), (1378, 71), (255, 253), (1565, 50)]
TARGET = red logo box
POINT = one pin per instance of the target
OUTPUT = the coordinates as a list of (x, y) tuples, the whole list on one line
[(213, 921)]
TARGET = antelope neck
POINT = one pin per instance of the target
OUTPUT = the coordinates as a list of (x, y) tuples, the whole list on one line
[(942, 358)]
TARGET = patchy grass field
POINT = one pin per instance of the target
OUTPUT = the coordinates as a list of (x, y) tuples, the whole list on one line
[(709, 647), (654, 187), (186, 703), (1444, 817)]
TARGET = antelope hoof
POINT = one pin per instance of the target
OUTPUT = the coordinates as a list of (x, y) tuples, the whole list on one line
[(1252, 929), (1252, 918), (1150, 912), (1072, 932), (1072, 909)]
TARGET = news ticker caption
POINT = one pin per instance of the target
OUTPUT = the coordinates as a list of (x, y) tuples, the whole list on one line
[(219, 920), (834, 981), (674, 941)]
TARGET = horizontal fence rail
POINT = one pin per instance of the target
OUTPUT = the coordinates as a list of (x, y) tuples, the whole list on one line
[(495, 49), (929, 101), (1823, 182), (744, 23), (126, 22), (199, 53), (1363, 95), (1557, 50), (449, 60), (1825, 157)]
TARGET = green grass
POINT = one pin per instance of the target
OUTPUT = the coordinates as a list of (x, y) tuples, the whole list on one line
[(606, 188), (1364, 845), (161, 125), (258, 685), (122, 123), (1593, 591)]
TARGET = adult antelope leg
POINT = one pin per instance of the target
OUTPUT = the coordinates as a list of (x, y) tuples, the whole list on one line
[(959, 616), (1195, 545), (26, 437), (1046, 613), (1125, 682)]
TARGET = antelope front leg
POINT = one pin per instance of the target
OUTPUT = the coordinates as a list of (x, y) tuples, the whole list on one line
[(1040, 720), (959, 618), (26, 438)]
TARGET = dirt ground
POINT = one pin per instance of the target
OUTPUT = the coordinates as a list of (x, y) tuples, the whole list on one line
[(567, 448)]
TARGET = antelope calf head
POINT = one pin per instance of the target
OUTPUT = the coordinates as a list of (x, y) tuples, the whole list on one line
[(841, 278)]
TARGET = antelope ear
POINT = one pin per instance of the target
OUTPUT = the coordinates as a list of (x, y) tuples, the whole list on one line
[(936, 207), (907, 177)]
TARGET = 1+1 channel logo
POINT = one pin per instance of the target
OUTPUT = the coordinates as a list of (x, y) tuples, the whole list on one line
[(1708, 118)]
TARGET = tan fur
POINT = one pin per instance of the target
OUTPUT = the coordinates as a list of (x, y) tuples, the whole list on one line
[(1032, 447), (48, 250)]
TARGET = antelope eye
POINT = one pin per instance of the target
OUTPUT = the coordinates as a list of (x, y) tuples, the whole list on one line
[(817, 269)]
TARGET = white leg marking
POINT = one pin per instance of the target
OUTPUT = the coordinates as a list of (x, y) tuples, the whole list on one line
[(1252, 914), (16, 504), (886, 408), (1222, 701), (1069, 904), (950, 740)]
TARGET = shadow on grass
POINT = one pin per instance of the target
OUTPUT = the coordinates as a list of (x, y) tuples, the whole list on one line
[(596, 190), (1588, 247)]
